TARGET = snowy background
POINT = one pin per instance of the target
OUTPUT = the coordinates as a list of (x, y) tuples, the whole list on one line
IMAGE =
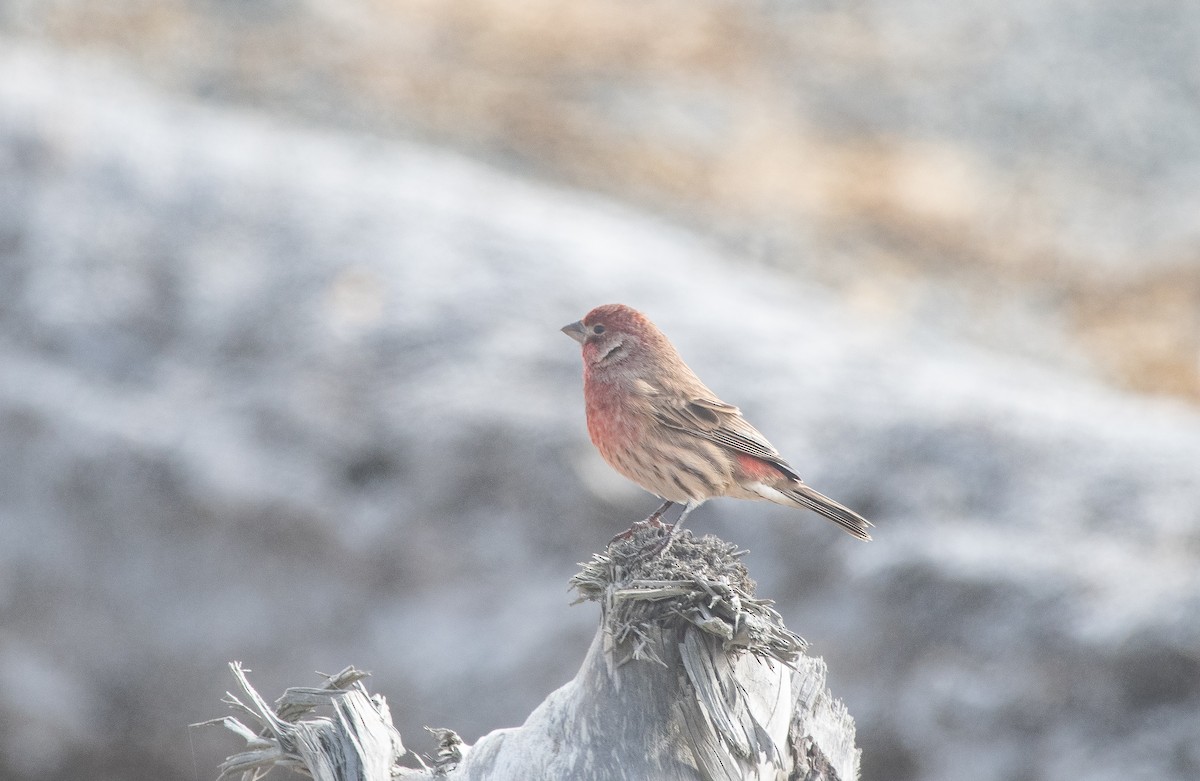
[(281, 378)]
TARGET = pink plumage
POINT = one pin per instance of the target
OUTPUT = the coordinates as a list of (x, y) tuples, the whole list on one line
[(656, 423)]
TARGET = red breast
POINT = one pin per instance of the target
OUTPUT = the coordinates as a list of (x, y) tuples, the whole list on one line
[(612, 426)]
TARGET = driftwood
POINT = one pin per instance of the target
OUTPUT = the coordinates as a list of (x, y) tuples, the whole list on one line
[(689, 677)]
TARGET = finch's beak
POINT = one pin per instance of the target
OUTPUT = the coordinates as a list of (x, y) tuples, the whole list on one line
[(576, 331)]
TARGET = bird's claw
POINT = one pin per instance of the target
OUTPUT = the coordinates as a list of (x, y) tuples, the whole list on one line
[(659, 545), (655, 546), (652, 521), (638, 526)]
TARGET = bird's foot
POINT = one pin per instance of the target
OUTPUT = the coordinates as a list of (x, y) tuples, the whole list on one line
[(654, 520), (649, 523), (628, 533), (659, 545)]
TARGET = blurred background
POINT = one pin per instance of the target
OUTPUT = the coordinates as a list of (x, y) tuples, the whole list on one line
[(281, 379)]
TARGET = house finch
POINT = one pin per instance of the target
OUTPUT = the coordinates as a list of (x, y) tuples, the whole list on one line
[(655, 422)]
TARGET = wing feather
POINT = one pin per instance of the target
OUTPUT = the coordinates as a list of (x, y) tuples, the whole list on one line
[(714, 420), (720, 423)]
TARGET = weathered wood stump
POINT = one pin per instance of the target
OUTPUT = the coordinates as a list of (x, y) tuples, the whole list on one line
[(689, 677)]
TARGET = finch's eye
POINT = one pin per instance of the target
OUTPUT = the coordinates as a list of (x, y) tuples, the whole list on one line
[(598, 329)]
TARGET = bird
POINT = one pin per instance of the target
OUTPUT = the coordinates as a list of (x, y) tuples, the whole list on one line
[(656, 423)]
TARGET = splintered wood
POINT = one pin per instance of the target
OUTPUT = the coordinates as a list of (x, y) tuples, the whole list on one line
[(690, 677)]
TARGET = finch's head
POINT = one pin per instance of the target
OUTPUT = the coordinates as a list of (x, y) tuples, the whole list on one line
[(614, 334)]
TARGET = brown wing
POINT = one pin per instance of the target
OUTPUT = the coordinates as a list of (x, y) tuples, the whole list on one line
[(720, 423), (723, 424)]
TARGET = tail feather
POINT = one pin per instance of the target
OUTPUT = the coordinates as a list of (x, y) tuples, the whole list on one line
[(838, 513)]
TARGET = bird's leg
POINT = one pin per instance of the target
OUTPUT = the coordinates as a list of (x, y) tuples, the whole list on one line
[(674, 529), (654, 519), (687, 508)]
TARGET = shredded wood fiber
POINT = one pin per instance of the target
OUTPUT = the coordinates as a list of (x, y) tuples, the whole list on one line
[(698, 581)]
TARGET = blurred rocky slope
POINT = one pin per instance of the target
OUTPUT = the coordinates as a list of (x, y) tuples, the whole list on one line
[(1023, 173), (299, 398)]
